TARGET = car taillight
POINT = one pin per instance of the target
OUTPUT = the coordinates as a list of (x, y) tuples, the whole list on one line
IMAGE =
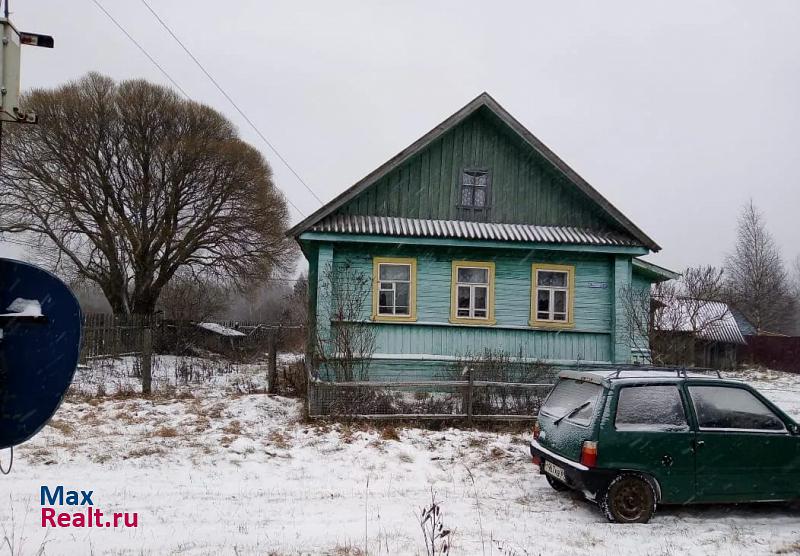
[(536, 430), (589, 453)]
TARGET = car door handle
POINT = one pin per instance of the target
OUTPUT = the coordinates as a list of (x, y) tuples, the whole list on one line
[(697, 444)]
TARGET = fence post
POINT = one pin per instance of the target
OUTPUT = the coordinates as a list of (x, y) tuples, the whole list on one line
[(272, 362), (469, 396), (147, 361)]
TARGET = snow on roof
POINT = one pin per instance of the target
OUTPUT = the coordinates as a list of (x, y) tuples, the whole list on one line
[(713, 321), (23, 308), (219, 329)]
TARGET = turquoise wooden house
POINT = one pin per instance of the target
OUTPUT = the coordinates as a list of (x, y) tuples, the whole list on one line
[(477, 236)]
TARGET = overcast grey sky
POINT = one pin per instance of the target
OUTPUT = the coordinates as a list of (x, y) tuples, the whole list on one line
[(677, 112)]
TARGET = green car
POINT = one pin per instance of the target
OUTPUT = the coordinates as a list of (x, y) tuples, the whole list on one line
[(632, 438)]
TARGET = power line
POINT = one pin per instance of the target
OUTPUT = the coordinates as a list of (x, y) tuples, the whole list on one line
[(140, 47), (233, 103), (185, 94)]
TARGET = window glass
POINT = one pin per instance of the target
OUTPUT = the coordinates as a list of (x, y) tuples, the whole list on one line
[(480, 196), (551, 278), (463, 300), (473, 276), (718, 407), (466, 196), (570, 394), (395, 272), (560, 301), (650, 408)]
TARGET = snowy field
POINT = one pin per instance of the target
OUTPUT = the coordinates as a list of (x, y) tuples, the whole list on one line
[(216, 467)]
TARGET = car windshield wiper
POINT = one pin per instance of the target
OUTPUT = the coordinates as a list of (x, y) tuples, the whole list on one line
[(572, 412)]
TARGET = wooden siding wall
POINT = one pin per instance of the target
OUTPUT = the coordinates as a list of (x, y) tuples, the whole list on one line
[(427, 185), (432, 334)]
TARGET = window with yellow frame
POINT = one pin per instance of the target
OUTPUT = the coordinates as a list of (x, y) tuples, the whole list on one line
[(394, 289), (552, 295), (472, 293)]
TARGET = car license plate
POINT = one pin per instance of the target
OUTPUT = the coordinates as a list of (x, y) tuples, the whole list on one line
[(555, 471)]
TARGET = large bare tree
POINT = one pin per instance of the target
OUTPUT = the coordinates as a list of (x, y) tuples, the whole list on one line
[(756, 277), (127, 183)]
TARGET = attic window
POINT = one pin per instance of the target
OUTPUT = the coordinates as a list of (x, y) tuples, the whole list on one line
[(474, 189)]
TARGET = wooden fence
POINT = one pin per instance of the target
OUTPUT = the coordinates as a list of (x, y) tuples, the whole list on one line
[(107, 335), (775, 352)]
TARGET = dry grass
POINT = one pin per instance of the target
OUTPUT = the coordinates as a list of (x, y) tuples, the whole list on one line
[(62, 426), (346, 550), (793, 548), (390, 433), (215, 412), (234, 427), (476, 442), (166, 432), (279, 440), (145, 451)]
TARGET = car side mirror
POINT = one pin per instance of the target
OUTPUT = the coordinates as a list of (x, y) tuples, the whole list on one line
[(794, 429)]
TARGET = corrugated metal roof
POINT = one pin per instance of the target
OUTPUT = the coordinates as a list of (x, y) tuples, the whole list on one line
[(415, 227), (713, 320)]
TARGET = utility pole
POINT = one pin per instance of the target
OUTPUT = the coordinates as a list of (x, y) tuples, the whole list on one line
[(11, 41)]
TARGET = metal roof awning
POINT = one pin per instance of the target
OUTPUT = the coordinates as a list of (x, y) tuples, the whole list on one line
[(458, 229)]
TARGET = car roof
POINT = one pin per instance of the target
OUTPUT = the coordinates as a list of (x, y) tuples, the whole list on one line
[(640, 373)]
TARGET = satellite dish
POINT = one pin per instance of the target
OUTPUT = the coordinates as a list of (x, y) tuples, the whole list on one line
[(41, 334)]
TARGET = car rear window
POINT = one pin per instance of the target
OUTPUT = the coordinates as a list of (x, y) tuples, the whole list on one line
[(568, 395), (656, 407)]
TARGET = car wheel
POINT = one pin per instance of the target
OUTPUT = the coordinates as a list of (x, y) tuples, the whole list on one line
[(629, 499), (556, 484)]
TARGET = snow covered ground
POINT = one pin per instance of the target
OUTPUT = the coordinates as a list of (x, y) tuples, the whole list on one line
[(212, 468)]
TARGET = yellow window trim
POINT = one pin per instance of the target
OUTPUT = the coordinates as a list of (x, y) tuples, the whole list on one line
[(539, 323), (412, 294), (489, 319)]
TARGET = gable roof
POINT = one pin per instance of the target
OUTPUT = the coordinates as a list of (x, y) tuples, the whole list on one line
[(482, 101)]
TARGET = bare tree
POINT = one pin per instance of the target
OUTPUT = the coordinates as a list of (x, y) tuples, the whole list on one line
[(671, 318), (188, 297), (756, 278), (796, 267), (125, 184), (348, 348)]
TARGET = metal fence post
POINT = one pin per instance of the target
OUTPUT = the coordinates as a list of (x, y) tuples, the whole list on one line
[(147, 361), (272, 362)]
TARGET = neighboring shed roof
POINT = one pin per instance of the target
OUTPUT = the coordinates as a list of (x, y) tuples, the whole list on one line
[(714, 321), (414, 227), (745, 326), (219, 329), (482, 102)]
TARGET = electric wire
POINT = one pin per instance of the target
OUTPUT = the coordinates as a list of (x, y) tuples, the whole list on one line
[(185, 94), (227, 96)]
